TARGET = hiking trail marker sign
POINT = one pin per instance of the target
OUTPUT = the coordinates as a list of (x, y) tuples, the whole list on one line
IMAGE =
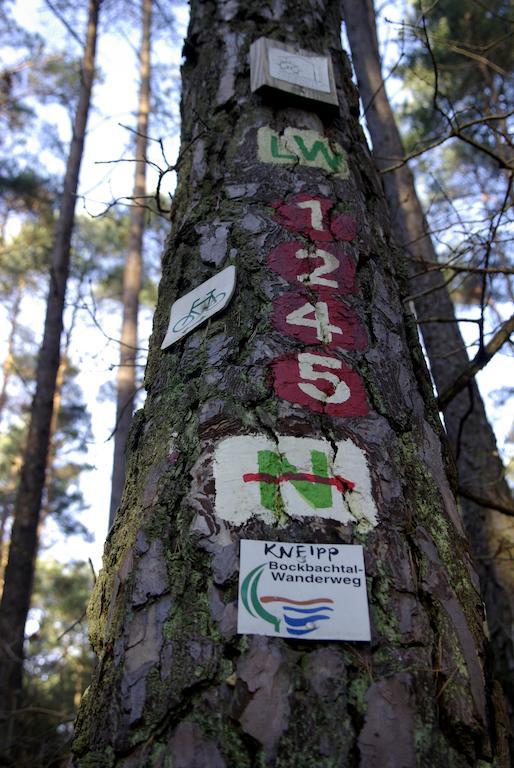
[(282, 67), (188, 312), (303, 591)]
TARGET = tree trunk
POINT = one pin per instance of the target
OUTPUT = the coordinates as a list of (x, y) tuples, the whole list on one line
[(126, 380), (175, 684), (22, 552), (7, 366), (480, 470)]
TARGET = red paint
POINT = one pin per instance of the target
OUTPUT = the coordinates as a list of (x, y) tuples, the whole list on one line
[(345, 328), (344, 227), (296, 259), (297, 219), (341, 483), (335, 226), (287, 380), (313, 601)]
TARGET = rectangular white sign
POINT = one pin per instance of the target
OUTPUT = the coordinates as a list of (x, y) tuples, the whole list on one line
[(198, 305), (309, 71), (307, 591)]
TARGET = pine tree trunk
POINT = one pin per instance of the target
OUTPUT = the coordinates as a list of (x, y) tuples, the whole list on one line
[(175, 684), (23, 547), (7, 366), (126, 380), (480, 469)]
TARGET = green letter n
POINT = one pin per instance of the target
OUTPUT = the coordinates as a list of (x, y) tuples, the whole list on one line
[(274, 469)]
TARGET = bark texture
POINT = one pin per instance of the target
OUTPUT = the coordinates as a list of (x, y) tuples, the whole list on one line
[(19, 571), (126, 379), (480, 470), (175, 684)]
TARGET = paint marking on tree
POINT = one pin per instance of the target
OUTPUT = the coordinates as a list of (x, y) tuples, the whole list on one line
[(321, 383), (313, 216), (299, 147), (329, 322), (324, 269), (294, 477)]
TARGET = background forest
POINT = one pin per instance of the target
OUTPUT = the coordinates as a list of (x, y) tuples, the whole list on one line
[(447, 68)]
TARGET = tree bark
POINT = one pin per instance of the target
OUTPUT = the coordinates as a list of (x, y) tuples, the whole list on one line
[(7, 366), (175, 684), (481, 472), (126, 379), (23, 547)]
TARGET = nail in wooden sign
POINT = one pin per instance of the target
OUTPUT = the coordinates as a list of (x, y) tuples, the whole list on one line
[(278, 66), (307, 591), (292, 477), (188, 312)]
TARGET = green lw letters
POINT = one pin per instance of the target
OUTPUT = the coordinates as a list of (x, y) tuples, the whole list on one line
[(297, 147)]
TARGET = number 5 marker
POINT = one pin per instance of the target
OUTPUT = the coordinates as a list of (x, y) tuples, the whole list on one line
[(321, 383)]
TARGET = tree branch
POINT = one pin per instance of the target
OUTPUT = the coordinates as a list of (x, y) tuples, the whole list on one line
[(479, 362)]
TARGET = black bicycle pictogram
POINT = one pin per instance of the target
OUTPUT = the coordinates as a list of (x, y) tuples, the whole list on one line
[(198, 307)]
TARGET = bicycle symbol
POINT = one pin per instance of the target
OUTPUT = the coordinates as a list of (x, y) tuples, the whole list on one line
[(195, 312)]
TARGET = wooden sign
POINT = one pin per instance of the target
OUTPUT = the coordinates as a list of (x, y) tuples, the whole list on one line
[(307, 591), (294, 477), (285, 68), (188, 312)]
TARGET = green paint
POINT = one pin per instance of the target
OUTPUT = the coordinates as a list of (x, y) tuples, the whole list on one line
[(249, 594), (316, 495), (275, 151), (332, 160), (301, 147)]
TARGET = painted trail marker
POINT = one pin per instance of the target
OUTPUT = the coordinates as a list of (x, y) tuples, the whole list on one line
[(303, 591), (299, 147), (295, 477), (188, 312), (329, 322), (314, 217), (305, 74), (321, 383), (322, 269)]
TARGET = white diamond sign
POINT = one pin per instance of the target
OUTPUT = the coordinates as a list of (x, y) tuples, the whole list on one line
[(188, 312), (303, 591)]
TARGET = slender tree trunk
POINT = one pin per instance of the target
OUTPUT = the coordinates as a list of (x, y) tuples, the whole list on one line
[(7, 366), (286, 192), (126, 380), (480, 469), (22, 552)]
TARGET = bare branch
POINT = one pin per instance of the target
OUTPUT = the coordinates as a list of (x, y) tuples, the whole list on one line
[(480, 361), (498, 506)]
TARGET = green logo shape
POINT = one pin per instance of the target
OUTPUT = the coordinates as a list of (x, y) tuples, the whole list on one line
[(251, 600)]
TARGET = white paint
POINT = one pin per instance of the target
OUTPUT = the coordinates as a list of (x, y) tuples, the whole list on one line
[(307, 71), (188, 312), (316, 277), (316, 214), (238, 501), (302, 147), (332, 575), (306, 363), (319, 320)]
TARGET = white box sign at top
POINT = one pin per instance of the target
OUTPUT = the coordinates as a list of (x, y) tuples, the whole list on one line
[(309, 71), (188, 312), (303, 591)]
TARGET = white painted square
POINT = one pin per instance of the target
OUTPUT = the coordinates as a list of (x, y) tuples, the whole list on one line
[(303, 591), (258, 477), (188, 312)]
